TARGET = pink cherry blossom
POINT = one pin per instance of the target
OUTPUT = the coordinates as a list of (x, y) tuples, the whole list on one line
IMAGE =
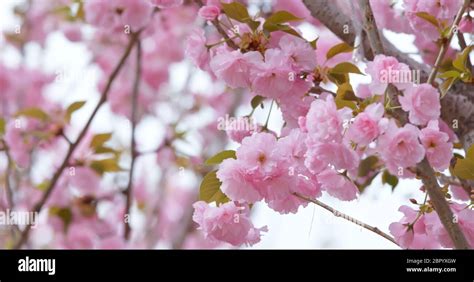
[(438, 150), (459, 193), (337, 185), (196, 49), (166, 3), (101, 13), (422, 103), (18, 145), (441, 10), (272, 77), (463, 215), (324, 121), (466, 25), (320, 155), (136, 13), (209, 12), (234, 67), (363, 91), (365, 127), (228, 223), (240, 128), (301, 54), (400, 148), (415, 236), (384, 70), (237, 183)]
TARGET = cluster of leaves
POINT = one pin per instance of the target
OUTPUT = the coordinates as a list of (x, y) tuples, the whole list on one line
[(458, 70), (209, 190)]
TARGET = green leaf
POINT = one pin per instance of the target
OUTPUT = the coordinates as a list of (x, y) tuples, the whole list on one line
[(281, 17), (219, 157), (429, 18), (345, 92), (448, 74), (43, 185), (99, 139), (346, 67), (366, 165), (464, 168), (460, 62), (387, 178), (338, 78), (278, 20), (105, 165), (446, 85), (341, 103), (72, 108), (256, 101), (105, 150), (470, 152), (35, 113), (2, 126), (65, 214), (338, 49), (236, 11), (210, 189), (281, 27), (253, 24), (314, 43)]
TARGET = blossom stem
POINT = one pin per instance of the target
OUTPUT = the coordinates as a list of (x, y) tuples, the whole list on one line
[(52, 184), (447, 41), (135, 93), (269, 114), (221, 31), (347, 217)]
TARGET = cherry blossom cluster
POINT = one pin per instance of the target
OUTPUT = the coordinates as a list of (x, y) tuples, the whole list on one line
[(324, 144)]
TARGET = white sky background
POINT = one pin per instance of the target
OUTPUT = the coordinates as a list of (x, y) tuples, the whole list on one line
[(311, 227)]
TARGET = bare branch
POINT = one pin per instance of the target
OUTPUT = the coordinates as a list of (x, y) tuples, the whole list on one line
[(135, 93), (221, 31), (447, 42), (370, 27), (348, 218), (39, 206)]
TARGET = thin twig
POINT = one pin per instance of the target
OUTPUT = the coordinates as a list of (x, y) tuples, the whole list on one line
[(318, 90), (447, 42), (8, 188), (370, 27), (39, 206), (221, 31), (347, 217), (136, 88), (463, 45)]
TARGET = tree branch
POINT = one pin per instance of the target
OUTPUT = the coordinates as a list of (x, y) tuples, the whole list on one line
[(346, 217), (8, 188), (424, 170), (136, 88), (39, 206), (370, 27), (221, 31), (447, 42)]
